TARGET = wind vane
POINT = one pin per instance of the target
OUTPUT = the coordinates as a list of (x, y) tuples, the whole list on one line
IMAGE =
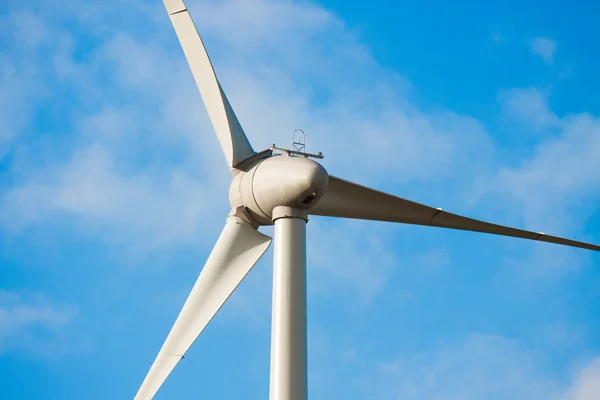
[(298, 146), (299, 140)]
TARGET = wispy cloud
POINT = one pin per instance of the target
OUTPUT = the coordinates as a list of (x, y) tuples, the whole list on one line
[(543, 47), (558, 168), (529, 106), (32, 323), (477, 366), (586, 385), (550, 179), (91, 187)]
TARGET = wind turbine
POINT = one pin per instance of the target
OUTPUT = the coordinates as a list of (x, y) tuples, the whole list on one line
[(271, 189)]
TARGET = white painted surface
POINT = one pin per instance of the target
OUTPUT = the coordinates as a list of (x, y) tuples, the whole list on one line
[(345, 199), (238, 248), (288, 330), (295, 182), (231, 136)]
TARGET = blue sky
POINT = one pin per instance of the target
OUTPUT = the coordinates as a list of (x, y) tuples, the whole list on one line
[(113, 190)]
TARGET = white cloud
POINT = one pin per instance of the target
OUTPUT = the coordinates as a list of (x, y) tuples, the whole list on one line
[(529, 106), (161, 210), (348, 259), (559, 169), (474, 367), (32, 323), (551, 182), (586, 385), (479, 367), (543, 47), (19, 77), (261, 22)]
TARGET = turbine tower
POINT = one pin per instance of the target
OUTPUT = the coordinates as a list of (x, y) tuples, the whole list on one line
[(280, 190)]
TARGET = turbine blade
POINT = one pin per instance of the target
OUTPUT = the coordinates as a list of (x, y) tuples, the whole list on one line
[(348, 200), (231, 136), (238, 248)]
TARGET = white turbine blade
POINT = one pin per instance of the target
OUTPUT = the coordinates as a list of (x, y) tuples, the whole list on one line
[(348, 200), (231, 136), (238, 248)]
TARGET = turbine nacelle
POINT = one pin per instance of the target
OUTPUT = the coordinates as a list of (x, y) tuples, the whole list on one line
[(294, 182)]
